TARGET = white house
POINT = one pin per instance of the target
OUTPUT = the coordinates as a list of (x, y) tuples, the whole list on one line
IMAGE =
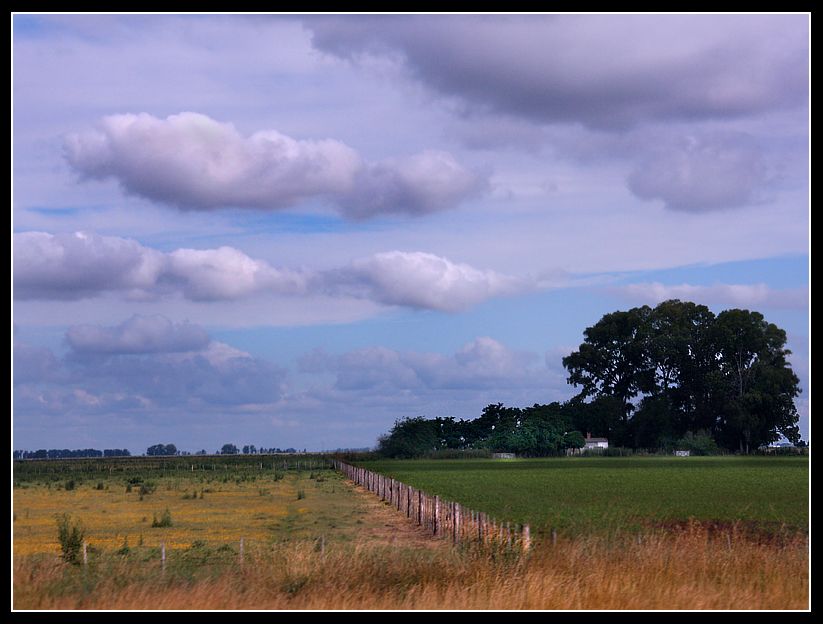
[(595, 443)]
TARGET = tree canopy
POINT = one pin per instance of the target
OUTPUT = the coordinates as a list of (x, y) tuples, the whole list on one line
[(651, 375), (533, 431), (162, 449)]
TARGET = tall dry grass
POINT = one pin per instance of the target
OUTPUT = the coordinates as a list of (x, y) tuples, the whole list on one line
[(687, 569)]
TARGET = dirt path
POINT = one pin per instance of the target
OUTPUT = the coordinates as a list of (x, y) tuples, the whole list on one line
[(387, 525)]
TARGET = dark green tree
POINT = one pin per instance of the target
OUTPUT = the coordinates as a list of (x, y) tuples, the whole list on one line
[(677, 368), (162, 449), (410, 437), (613, 359), (229, 449), (759, 384)]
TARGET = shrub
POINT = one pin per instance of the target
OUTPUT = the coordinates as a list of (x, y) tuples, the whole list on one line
[(700, 443), (69, 485), (71, 538), (164, 521), (124, 549)]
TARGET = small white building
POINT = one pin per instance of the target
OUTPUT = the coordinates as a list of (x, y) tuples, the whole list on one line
[(595, 443)]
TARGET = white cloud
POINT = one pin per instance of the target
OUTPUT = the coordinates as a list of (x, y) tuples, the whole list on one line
[(81, 265), (427, 182), (196, 163), (421, 280), (73, 266), (227, 273), (741, 295)]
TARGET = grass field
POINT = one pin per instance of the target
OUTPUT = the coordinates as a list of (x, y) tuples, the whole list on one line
[(582, 495), (313, 541), (209, 509)]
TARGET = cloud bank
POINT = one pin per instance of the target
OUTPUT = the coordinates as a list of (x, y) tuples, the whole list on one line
[(139, 334), (144, 363), (196, 163), (81, 265), (605, 72), (480, 364)]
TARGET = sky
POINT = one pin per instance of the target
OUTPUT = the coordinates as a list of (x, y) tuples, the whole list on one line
[(293, 230)]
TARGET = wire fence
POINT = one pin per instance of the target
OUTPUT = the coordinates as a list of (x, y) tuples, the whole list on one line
[(441, 517)]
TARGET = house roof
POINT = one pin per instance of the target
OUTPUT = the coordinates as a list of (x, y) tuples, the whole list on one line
[(597, 439)]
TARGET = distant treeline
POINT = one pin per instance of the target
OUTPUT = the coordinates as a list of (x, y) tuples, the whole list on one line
[(68, 454), (535, 431), (156, 450)]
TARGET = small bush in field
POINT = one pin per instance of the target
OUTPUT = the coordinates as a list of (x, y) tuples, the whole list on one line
[(70, 537), (164, 521)]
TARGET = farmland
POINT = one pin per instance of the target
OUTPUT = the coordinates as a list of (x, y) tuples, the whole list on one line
[(311, 540), (583, 495)]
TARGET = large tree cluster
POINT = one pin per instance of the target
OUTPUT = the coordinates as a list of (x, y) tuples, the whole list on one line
[(651, 375)]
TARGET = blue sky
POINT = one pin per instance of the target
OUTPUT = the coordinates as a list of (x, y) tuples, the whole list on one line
[(294, 230)]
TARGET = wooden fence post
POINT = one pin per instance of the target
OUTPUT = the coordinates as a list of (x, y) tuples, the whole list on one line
[(527, 538), (436, 527), (163, 556), (241, 551)]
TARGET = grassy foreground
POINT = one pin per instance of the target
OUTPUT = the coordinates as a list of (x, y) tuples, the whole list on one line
[(684, 570), (584, 495), (312, 541)]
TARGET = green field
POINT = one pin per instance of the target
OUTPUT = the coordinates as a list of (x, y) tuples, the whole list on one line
[(595, 494)]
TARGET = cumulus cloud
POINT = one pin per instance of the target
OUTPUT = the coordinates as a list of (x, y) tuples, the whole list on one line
[(420, 280), (139, 334), (428, 182), (80, 265), (228, 273), (702, 174), (196, 163), (738, 295), (602, 71), (146, 362), (74, 266)]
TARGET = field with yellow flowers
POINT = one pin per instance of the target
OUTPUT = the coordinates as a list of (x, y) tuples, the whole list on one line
[(251, 538)]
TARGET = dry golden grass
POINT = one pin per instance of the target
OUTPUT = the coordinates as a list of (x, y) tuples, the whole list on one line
[(258, 511), (688, 570)]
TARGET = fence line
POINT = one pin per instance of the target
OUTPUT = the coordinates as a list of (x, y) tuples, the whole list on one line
[(442, 518)]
